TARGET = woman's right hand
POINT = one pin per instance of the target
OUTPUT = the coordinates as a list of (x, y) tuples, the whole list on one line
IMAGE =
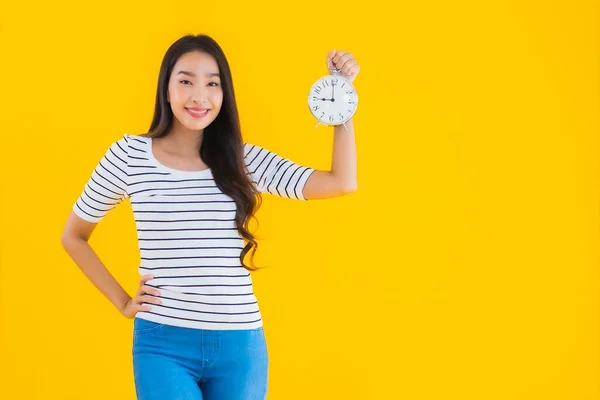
[(135, 304)]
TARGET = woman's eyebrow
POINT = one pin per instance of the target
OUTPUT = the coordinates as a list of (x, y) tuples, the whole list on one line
[(209, 75)]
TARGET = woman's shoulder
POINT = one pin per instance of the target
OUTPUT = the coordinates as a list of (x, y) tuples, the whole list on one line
[(129, 139), (253, 148), (140, 137), (124, 142)]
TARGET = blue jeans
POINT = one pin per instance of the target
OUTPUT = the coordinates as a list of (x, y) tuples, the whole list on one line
[(176, 363)]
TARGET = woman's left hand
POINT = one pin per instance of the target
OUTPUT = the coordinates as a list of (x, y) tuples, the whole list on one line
[(343, 61)]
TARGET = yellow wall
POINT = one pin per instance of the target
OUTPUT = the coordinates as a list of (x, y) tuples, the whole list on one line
[(465, 267)]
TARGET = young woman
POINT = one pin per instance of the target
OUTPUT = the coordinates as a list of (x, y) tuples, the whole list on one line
[(194, 184)]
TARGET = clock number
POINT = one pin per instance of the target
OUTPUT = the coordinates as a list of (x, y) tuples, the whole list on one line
[(325, 84), (344, 84), (315, 108), (350, 92), (331, 118), (341, 116), (334, 81), (318, 89)]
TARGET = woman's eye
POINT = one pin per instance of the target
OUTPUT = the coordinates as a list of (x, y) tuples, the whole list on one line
[(211, 83)]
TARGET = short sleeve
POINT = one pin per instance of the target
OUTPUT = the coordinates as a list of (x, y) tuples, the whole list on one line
[(274, 174), (107, 185)]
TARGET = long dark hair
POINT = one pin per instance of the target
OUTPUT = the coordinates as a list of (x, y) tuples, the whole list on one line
[(222, 147)]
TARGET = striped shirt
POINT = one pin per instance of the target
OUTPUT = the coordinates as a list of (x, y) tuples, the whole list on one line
[(186, 230)]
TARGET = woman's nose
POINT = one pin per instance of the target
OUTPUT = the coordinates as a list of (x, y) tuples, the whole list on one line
[(200, 95)]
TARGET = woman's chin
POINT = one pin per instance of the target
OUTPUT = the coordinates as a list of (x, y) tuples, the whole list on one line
[(194, 125)]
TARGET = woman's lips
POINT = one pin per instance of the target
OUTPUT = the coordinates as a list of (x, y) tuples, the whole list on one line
[(196, 114)]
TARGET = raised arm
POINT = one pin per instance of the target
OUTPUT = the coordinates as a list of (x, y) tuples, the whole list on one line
[(341, 179)]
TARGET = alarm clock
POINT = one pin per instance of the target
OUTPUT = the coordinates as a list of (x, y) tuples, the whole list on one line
[(332, 99)]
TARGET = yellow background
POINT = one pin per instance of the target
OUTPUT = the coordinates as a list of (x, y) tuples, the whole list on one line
[(465, 267)]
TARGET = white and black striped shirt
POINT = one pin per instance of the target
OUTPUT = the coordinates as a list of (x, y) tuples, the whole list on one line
[(186, 230)]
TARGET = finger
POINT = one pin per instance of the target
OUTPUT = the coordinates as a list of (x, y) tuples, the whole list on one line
[(145, 278), (348, 65), (338, 56), (330, 55), (143, 308), (354, 70), (138, 303), (148, 299), (150, 290), (139, 292), (143, 290), (330, 63), (346, 58)]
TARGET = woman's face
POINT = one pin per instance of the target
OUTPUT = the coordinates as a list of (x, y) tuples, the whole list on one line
[(195, 84)]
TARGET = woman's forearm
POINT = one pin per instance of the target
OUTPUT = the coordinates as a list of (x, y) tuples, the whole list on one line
[(343, 161), (86, 259)]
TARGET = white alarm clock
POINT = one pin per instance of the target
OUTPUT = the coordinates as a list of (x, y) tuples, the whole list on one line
[(332, 99)]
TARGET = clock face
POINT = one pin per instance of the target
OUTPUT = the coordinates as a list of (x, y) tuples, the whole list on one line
[(332, 100)]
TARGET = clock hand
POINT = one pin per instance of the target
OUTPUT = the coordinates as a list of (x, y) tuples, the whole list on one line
[(332, 92)]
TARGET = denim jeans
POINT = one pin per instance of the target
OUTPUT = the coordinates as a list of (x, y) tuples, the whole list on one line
[(176, 363)]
